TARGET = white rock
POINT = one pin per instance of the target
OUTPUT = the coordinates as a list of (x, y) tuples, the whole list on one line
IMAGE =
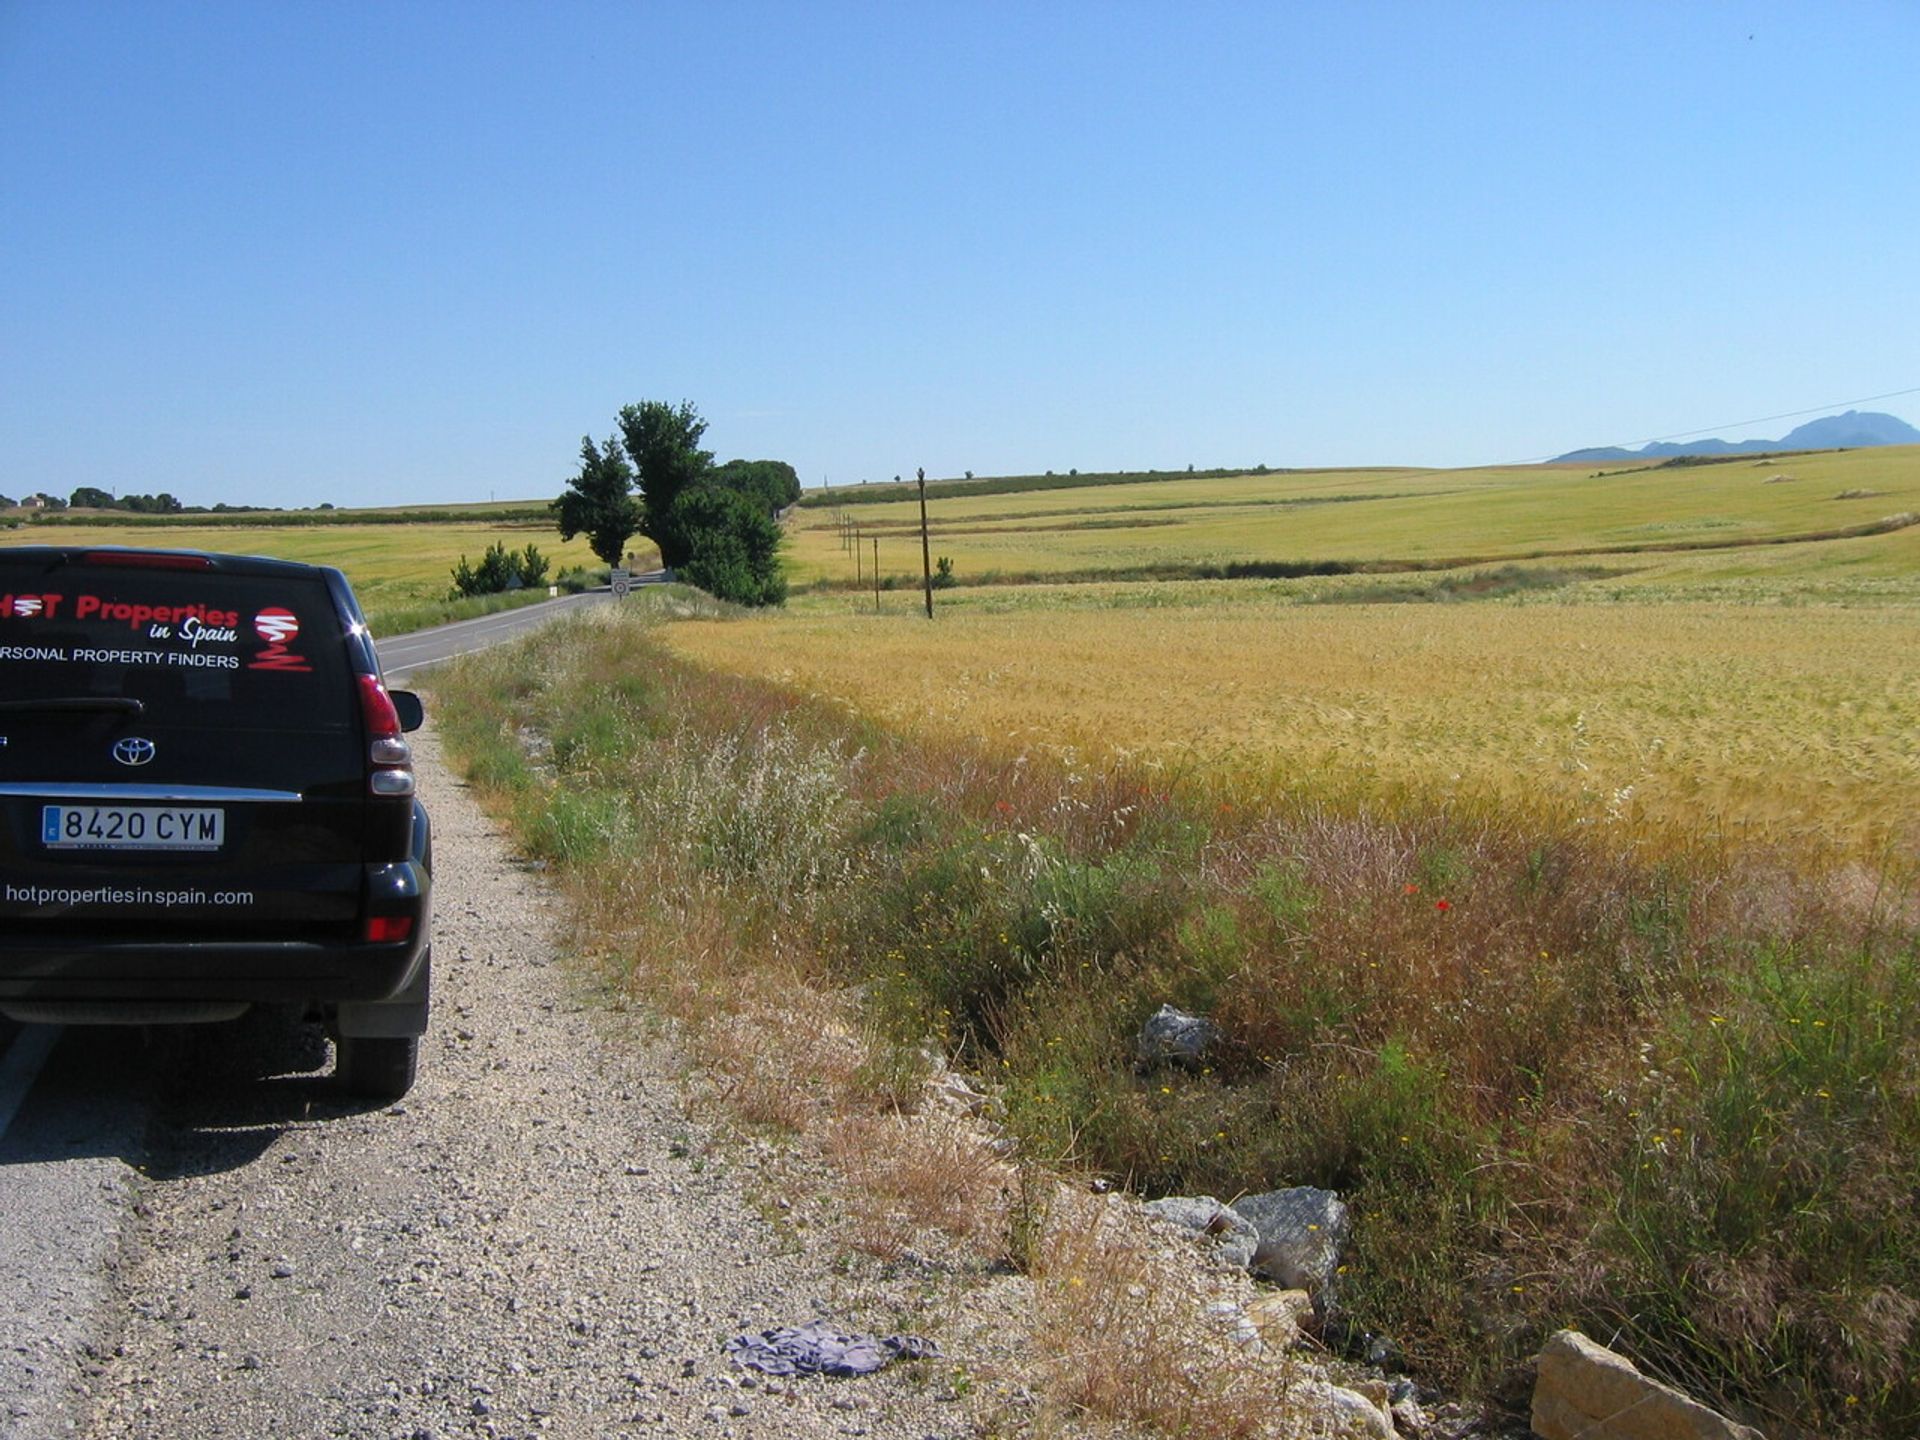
[(1348, 1411), (1233, 1235)]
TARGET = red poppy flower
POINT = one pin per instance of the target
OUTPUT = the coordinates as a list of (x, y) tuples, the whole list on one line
[(1443, 904)]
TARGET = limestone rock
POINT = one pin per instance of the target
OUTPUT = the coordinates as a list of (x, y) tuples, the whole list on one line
[(952, 1089), (1233, 1236), (1302, 1231), (1278, 1315), (1585, 1390), (1349, 1413), (1172, 1035)]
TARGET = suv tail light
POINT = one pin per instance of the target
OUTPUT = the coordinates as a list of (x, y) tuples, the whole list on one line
[(389, 757)]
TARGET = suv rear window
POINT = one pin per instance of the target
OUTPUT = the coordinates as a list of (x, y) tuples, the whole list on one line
[(190, 644)]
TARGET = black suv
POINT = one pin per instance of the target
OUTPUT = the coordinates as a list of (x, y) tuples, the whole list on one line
[(207, 800)]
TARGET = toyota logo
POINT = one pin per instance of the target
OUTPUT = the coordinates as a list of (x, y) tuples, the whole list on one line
[(133, 750)]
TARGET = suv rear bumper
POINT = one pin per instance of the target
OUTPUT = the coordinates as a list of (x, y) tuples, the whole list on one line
[(210, 970), (68, 964)]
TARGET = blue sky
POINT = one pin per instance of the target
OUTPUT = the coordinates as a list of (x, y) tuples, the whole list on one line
[(374, 253)]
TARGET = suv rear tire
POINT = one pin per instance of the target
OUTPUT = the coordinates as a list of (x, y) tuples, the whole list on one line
[(379, 1068)]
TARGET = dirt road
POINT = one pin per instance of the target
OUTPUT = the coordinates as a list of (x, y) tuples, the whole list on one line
[(537, 1242)]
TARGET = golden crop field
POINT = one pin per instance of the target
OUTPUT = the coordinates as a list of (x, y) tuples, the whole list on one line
[(1780, 722), (1366, 516), (1769, 691)]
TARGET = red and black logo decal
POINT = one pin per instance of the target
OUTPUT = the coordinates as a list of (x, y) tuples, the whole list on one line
[(279, 628)]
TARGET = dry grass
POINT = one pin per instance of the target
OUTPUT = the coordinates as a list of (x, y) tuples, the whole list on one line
[(920, 1172), (1125, 1329)]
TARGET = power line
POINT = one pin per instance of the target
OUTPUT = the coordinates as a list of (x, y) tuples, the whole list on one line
[(1789, 415), (1742, 424)]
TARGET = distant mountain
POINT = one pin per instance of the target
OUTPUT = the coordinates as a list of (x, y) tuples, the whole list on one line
[(1852, 430)]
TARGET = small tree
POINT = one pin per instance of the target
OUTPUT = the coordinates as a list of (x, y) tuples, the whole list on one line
[(599, 501), (91, 497)]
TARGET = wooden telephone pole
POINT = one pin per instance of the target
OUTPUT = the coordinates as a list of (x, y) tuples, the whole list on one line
[(926, 555)]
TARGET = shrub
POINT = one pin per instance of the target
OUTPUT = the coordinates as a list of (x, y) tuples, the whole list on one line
[(499, 569), (731, 545)]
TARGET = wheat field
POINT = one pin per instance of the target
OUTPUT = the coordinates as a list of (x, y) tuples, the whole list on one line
[(1364, 516), (1768, 692)]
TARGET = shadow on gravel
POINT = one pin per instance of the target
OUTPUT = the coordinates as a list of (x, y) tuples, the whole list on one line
[(181, 1100)]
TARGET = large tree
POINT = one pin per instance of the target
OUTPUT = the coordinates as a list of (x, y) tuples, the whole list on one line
[(774, 483), (731, 545), (664, 443), (599, 502)]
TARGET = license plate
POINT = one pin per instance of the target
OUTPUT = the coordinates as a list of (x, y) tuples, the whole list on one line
[(131, 827)]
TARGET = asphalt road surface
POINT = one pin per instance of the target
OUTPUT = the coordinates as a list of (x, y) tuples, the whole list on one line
[(402, 656)]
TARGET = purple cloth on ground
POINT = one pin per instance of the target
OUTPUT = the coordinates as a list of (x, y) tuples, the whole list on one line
[(819, 1349)]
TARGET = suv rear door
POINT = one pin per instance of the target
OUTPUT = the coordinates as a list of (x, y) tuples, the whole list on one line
[(180, 748)]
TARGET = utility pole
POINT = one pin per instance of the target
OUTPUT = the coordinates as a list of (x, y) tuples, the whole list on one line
[(926, 555)]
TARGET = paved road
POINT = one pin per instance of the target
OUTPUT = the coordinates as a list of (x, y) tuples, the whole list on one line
[(73, 1108), (403, 655)]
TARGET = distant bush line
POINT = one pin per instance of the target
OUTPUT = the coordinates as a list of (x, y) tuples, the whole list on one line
[(1124, 517), (1688, 462), (1301, 569), (889, 491)]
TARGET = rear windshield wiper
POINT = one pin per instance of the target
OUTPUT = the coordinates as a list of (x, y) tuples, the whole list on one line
[(75, 705)]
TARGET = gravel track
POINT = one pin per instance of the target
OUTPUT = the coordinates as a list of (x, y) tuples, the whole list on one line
[(538, 1241)]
